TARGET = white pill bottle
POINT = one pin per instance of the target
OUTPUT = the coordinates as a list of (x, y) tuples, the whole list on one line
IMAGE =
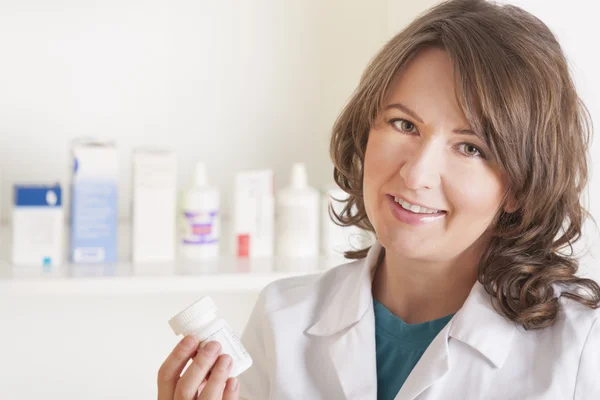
[(200, 320)]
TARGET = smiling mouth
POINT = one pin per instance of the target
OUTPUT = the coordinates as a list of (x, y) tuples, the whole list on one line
[(404, 213), (414, 208)]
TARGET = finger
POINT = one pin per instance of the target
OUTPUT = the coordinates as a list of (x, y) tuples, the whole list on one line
[(216, 382), (187, 386), (202, 385), (232, 389), (170, 370)]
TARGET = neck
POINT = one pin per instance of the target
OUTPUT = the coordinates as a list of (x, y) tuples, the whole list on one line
[(424, 290)]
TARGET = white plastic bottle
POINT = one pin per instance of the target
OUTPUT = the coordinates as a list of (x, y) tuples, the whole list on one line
[(201, 221), (297, 218), (200, 320)]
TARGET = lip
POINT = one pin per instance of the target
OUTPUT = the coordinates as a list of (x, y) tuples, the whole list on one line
[(409, 217)]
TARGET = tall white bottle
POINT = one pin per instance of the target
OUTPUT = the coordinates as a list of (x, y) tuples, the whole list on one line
[(201, 221), (297, 220)]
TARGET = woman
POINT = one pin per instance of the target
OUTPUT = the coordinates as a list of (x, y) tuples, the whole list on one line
[(464, 150)]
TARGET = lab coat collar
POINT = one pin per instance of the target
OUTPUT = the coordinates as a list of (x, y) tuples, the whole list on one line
[(480, 326), (350, 298), (476, 324)]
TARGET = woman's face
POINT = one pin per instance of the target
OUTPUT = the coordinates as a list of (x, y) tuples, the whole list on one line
[(420, 150)]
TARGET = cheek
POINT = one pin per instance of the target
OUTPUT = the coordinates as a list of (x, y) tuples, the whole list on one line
[(369, 174), (478, 198), (380, 160), (382, 157)]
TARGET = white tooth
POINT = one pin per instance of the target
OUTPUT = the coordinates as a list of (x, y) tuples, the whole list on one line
[(416, 209)]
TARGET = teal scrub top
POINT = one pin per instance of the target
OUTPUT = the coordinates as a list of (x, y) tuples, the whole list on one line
[(399, 346)]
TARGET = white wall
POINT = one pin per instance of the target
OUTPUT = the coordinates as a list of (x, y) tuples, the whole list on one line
[(237, 84), (94, 347), (402, 12)]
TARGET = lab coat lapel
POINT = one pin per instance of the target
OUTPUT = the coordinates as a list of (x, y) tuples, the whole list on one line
[(353, 355), (432, 366), (348, 322)]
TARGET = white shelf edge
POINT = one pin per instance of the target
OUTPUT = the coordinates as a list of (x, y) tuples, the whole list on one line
[(129, 285)]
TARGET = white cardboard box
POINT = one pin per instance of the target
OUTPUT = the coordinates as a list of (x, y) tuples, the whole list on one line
[(38, 224), (254, 212), (154, 213)]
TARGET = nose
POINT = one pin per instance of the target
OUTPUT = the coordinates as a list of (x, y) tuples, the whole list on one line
[(422, 169)]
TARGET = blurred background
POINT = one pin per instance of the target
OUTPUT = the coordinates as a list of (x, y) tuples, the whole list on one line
[(238, 85)]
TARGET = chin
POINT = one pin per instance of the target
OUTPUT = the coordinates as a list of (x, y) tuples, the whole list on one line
[(406, 243)]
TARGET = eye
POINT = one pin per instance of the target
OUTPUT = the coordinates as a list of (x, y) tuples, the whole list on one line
[(403, 125), (471, 151)]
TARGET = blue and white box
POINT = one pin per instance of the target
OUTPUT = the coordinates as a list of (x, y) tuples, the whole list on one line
[(94, 212), (38, 225)]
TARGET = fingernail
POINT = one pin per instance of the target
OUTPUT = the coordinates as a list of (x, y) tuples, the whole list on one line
[(212, 348), (232, 384), (224, 362)]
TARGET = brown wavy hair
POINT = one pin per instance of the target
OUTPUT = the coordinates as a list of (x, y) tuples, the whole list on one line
[(514, 87)]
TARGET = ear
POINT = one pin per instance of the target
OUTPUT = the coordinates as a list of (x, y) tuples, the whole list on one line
[(510, 206)]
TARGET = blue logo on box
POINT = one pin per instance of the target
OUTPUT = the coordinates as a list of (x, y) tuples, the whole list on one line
[(37, 196)]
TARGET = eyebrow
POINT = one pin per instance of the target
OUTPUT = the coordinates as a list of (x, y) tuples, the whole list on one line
[(413, 114)]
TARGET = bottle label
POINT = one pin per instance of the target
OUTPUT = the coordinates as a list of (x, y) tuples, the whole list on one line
[(230, 343), (298, 230), (200, 227), (243, 246)]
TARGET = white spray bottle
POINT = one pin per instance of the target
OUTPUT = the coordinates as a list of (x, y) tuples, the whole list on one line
[(201, 221)]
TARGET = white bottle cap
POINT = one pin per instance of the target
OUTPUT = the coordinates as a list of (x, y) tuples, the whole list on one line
[(299, 176), (200, 175), (198, 309)]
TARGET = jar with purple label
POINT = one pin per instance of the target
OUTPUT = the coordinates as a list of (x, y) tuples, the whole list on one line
[(200, 220)]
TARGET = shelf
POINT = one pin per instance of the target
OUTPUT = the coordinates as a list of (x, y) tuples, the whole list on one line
[(229, 282), (225, 274)]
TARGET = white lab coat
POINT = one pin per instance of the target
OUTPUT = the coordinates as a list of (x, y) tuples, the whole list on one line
[(313, 337)]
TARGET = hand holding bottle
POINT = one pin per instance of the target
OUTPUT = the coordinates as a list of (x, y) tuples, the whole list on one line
[(206, 378)]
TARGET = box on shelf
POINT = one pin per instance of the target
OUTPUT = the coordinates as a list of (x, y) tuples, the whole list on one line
[(154, 205), (38, 223), (254, 211), (94, 213)]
